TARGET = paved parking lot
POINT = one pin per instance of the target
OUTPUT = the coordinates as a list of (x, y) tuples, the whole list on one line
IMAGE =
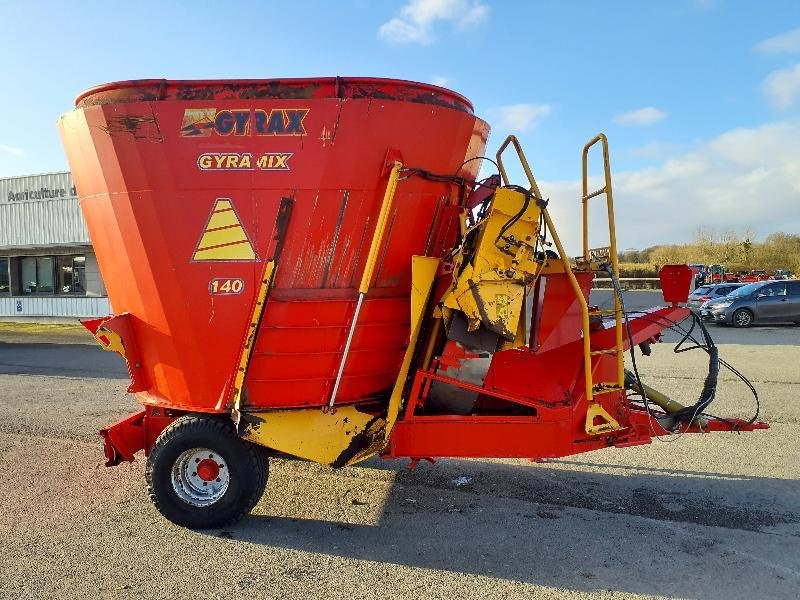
[(706, 516), (781, 334)]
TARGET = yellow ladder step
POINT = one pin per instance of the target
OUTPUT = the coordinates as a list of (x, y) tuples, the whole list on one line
[(605, 388), (595, 193), (608, 351)]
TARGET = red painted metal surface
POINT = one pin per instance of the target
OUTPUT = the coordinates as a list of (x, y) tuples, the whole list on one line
[(545, 381), (189, 188), (158, 163), (126, 437), (676, 281)]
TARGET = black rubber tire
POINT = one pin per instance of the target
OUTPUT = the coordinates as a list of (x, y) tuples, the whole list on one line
[(247, 464), (742, 311)]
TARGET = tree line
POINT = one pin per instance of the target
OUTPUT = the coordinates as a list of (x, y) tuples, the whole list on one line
[(736, 251)]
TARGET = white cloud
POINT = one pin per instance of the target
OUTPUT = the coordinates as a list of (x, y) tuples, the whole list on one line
[(12, 150), (654, 150), (641, 116), (518, 117), (440, 81), (744, 178), (782, 87), (785, 42), (416, 21)]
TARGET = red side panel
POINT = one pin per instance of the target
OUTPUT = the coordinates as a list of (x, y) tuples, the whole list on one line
[(181, 184)]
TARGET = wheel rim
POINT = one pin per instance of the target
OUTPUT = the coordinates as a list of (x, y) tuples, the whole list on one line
[(743, 318), (200, 477)]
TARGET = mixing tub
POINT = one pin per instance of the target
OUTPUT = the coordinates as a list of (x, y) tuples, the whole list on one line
[(190, 188)]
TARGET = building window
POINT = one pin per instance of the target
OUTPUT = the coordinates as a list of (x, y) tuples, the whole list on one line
[(5, 280), (36, 274), (71, 272), (46, 275)]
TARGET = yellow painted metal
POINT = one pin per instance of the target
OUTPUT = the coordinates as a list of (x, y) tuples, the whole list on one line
[(524, 161), (252, 329), (348, 434), (657, 398), (113, 343), (490, 290), (612, 234), (433, 338), (423, 273), (380, 227), (329, 438), (607, 422), (223, 237), (576, 288)]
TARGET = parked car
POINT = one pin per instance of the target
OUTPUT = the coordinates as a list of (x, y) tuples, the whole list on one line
[(762, 302), (783, 274), (710, 292)]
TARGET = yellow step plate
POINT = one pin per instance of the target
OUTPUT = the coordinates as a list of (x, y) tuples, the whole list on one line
[(346, 436), (598, 421)]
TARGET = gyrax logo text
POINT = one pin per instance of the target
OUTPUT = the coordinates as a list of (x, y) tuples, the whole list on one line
[(203, 122)]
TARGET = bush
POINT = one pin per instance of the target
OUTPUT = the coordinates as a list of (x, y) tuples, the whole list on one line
[(736, 252)]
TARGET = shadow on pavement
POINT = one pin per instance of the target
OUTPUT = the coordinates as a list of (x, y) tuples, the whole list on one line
[(547, 525), (65, 360)]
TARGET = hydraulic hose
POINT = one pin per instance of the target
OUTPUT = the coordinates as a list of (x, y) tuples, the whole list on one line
[(689, 413)]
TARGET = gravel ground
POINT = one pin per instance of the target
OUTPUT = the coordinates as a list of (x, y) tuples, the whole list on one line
[(704, 516)]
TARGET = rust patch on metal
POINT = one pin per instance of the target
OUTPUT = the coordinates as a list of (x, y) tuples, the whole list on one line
[(268, 90), (334, 242), (364, 444), (281, 225), (336, 124), (405, 94), (358, 251), (248, 421), (497, 326), (191, 92), (434, 226), (141, 127), (386, 239)]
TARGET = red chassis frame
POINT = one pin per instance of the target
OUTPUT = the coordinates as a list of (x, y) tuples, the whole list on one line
[(544, 380), (556, 428)]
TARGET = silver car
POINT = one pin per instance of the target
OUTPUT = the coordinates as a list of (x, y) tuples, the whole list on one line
[(761, 302), (712, 291)]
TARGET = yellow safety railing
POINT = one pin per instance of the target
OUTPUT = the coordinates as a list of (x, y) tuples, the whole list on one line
[(612, 235), (594, 408), (576, 288)]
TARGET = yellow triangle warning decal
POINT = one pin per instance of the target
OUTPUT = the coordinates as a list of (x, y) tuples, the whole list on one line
[(223, 237)]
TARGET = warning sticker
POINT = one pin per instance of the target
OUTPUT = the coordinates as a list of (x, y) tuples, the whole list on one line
[(224, 237)]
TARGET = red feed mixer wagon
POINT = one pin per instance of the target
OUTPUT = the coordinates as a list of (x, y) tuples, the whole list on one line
[(309, 268)]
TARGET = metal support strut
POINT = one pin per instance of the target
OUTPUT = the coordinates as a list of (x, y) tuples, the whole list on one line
[(366, 277)]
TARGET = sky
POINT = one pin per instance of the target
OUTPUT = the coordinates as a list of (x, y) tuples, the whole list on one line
[(700, 99)]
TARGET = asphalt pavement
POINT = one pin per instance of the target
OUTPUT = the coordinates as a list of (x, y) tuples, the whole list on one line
[(758, 335), (702, 516)]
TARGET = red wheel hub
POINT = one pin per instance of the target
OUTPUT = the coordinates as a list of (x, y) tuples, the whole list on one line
[(207, 469)]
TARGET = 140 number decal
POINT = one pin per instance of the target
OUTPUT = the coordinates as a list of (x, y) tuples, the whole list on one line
[(225, 286)]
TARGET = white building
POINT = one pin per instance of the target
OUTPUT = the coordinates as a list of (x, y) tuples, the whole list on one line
[(48, 271)]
